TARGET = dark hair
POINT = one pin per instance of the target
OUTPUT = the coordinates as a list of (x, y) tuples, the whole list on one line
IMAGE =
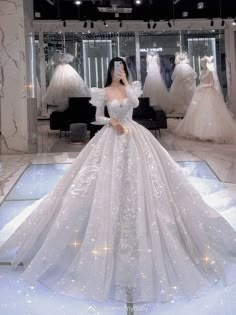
[(111, 67)]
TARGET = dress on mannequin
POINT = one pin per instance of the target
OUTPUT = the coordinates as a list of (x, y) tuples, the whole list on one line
[(154, 86), (123, 223), (183, 85), (208, 117), (65, 83)]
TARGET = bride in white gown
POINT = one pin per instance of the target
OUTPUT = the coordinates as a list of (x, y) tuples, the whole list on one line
[(154, 86), (208, 117), (123, 223), (183, 85), (65, 83)]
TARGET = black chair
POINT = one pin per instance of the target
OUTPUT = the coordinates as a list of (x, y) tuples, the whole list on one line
[(146, 116), (78, 111)]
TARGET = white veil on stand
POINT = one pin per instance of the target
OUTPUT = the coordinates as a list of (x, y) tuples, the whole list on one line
[(211, 67)]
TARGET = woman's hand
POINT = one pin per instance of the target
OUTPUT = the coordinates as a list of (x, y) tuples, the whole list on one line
[(117, 126), (124, 78)]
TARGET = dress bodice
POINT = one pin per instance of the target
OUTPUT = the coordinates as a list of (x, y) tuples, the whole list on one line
[(206, 77), (121, 110), (153, 63)]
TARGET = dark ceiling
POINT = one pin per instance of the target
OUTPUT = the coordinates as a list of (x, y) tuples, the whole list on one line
[(147, 10)]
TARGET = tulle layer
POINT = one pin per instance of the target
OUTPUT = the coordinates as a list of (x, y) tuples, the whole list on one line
[(65, 83), (123, 223), (208, 118), (154, 88), (182, 88)]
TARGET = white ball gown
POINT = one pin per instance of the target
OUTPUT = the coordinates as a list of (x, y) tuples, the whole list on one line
[(123, 223), (183, 85), (208, 117), (154, 86), (65, 83)]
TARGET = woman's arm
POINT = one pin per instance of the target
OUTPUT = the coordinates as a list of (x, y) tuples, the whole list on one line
[(100, 117)]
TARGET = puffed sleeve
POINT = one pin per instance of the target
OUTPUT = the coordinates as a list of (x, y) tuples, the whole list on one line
[(98, 100), (133, 91)]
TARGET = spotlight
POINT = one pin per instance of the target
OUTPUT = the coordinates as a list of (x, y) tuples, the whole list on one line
[(212, 22), (154, 25), (149, 25), (138, 1), (200, 5), (234, 22), (85, 24), (92, 24), (223, 23), (78, 2), (121, 24), (64, 23), (169, 24)]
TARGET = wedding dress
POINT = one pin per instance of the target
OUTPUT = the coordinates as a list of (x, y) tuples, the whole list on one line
[(208, 117), (123, 223), (65, 83), (154, 86), (183, 85)]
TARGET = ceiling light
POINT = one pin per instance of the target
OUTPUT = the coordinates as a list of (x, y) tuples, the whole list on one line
[(78, 2), (212, 22), (105, 24), (234, 22), (52, 2), (169, 24), (200, 5), (154, 25), (138, 1), (85, 24)]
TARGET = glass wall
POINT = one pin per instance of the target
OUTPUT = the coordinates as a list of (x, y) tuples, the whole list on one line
[(92, 52), (195, 43)]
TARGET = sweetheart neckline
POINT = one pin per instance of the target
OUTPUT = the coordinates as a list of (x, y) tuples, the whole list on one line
[(116, 99)]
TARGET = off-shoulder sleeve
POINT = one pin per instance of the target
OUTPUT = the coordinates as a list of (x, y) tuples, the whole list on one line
[(133, 91), (97, 97), (98, 100)]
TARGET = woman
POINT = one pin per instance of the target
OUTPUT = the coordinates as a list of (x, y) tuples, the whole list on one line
[(123, 223), (208, 117)]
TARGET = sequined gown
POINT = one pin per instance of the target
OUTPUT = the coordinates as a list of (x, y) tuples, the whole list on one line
[(208, 117), (123, 223), (154, 85)]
